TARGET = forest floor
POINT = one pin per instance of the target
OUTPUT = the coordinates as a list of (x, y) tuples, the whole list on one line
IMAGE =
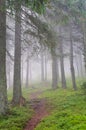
[(40, 110), (47, 109)]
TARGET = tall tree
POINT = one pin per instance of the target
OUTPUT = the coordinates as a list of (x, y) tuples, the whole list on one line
[(54, 67), (17, 93), (71, 58), (45, 60), (22, 66), (27, 72), (63, 79), (3, 85), (42, 67), (84, 41), (54, 72)]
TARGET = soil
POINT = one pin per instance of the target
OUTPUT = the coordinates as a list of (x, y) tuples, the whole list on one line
[(40, 111)]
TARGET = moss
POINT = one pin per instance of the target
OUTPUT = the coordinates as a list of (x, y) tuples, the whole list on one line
[(68, 113), (17, 118)]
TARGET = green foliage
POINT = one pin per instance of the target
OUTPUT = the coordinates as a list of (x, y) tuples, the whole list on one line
[(83, 87), (71, 9), (16, 119), (63, 121), (18, 116), (68, 111), (77, 7), (36, 5)]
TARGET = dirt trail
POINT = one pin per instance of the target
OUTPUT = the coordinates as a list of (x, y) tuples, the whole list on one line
[(39, 107)]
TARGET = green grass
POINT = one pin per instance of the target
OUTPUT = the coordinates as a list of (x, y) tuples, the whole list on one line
[(16, 119), (68, 110), (18, 116), (27, 91)]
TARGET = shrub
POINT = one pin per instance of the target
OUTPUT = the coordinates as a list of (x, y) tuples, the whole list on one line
[(83, 88)]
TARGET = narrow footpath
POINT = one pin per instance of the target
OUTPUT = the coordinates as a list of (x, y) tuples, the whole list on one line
[(40, 111)]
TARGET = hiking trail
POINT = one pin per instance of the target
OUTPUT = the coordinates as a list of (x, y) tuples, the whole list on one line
[(40, 110)]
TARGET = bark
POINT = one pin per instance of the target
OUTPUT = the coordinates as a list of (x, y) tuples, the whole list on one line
[(45, 68), (58, 71), (42, 67), (84, 42), (72, 60), (27, 74), (17, 94), (22, 72), (9, 75), (77, 66), (63, 79), (81, 64), (54, 72), (3, 85), (30, 70)]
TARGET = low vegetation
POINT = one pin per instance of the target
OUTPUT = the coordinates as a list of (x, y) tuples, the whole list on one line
[(68, 110), (17, 116), (16, 119), (83, 87)]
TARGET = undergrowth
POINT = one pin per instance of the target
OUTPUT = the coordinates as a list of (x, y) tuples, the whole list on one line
[(68, 111), (15, 119)]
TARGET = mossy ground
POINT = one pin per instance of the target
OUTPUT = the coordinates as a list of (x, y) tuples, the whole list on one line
[(68, 110), (17, 117)]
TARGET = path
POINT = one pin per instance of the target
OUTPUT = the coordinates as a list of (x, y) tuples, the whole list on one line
[(39, 107)]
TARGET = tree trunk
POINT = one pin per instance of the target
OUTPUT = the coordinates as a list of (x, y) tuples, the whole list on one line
[(45, 67), (58, 71), (84, 42), (30, 70), (42, 67), (71, 60), (9, 75), (3, 85), (27, 74), (81, 65), (54, 72), (22, 72), (17, 61), (77, 66), (63, 79)]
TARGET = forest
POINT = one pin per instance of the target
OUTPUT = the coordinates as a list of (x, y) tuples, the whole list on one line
[(42, 64)]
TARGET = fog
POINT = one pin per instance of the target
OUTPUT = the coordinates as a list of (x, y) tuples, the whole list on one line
[(40, 68)]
